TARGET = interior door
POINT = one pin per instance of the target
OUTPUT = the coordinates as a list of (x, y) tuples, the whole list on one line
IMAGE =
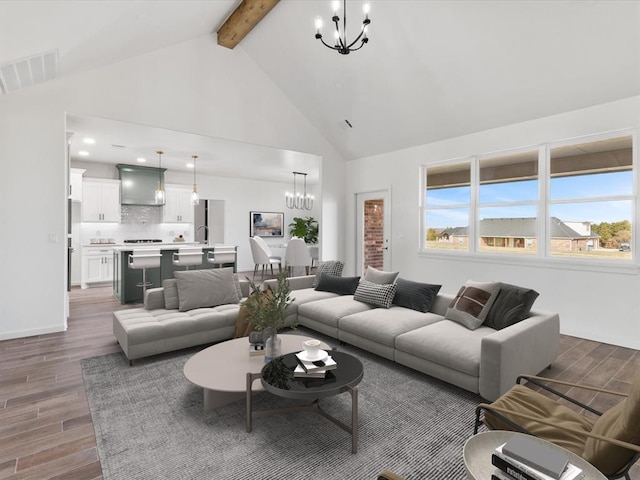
[(373, 230)]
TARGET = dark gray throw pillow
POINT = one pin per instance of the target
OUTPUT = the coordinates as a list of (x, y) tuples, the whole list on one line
[(336, 284), (511, 306), (415, 295)]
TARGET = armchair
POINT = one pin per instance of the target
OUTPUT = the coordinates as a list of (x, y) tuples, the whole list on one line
[(610, 442)]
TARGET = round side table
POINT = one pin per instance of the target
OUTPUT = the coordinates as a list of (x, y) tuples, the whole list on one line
[(478, 449)]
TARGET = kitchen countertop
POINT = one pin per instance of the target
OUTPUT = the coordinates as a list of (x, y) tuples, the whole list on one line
[(164, 246)]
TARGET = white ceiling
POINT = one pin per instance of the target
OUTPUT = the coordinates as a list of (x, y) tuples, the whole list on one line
[(432, 69), (121, 142)]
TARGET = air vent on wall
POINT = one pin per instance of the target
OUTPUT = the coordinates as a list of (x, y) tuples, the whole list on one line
[(28, 71)]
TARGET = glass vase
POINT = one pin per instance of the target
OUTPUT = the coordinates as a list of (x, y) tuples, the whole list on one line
[(272, 347)]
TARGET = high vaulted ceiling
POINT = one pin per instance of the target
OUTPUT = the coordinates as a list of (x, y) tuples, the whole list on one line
[(431, 70)]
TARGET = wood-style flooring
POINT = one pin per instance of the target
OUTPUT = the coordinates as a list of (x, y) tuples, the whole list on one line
[(46, 430)]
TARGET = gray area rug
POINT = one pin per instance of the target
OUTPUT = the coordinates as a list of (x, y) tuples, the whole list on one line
[(149, 424)]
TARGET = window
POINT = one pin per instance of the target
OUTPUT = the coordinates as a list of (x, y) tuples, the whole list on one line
[(571, 199), (508, 197), (447, 200), (591, 198)]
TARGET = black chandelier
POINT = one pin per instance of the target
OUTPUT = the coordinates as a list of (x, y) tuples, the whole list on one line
[(342, 45)]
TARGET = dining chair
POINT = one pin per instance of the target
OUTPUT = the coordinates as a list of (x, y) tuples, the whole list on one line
[(297, 255), (261, 257)]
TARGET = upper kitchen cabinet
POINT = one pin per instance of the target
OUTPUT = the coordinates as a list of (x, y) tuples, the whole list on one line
[(100, 200), (75, 184), (177, 207)]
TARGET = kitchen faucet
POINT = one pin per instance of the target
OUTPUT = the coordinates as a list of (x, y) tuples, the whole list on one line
[(206, 232)]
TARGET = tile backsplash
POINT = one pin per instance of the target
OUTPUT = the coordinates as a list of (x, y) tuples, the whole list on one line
[(141, 214)]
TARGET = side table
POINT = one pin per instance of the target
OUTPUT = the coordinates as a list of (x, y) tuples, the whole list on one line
[(478, 449), (277, 378)]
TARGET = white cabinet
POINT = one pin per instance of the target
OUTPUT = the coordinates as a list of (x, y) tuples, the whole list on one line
[(75, 184), (97, 265), (101, 200), (177, 206)]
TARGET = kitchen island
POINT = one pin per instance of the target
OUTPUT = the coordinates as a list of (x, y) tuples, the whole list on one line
[(125, 279)]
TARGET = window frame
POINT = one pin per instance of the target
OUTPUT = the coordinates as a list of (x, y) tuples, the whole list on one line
[(543, 203)]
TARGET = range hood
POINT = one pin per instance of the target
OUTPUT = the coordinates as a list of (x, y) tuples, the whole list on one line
[(138, 184)]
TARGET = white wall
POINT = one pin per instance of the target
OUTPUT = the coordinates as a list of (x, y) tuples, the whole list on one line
[(600, 304), (194, 87)]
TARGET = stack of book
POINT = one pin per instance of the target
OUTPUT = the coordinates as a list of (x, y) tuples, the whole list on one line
[(525, 458), (317, 369)]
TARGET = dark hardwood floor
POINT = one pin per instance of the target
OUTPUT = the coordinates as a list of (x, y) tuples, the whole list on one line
[(45, 425)]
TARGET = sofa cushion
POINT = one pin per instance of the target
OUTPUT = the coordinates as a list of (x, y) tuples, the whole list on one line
[(446, 343), (205, 288), (337, 284), (621, 422), (330, 310), (374, 275), (472, 303), (330, 267), (512, 305), (170, 290), (415, 295), (375, 294), (383, 326)]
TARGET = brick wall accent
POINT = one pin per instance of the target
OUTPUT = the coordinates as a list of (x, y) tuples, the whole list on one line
[(373, 236)]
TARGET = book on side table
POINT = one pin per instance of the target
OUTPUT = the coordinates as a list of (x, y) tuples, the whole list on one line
[(256, 349), (313, 369), (508, 468)]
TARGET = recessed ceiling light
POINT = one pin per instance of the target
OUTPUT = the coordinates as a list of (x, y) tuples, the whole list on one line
[(189, 165), (83, 153), (89, 141), (141, 160)]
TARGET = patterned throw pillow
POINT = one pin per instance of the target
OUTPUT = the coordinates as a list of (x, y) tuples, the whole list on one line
[(331, 267), (381, 277), (472, 303), (375, 294)]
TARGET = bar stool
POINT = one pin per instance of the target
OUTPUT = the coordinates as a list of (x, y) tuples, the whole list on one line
[(222, 255), (187, 256), (144, 258)]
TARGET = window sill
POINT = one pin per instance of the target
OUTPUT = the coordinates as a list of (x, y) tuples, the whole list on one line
[(625, 267)]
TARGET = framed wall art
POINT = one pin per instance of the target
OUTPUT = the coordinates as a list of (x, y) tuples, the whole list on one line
[(266, 224)]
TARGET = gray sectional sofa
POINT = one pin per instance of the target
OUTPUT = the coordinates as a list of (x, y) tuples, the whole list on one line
[(485, 360), (163, 326)]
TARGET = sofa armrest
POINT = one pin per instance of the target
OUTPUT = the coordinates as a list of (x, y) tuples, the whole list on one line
[(295, 283), (528, 346), (154, 298)]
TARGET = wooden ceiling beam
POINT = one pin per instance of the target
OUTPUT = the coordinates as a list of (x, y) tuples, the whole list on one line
[(243, 19)]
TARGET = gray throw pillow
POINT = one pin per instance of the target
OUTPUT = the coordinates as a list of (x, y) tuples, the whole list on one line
[(205, 288), (339, 285), (381, 277), (170, 287), (511, 306), (375, 294), (331, 267), (472, 303), (415, 295)]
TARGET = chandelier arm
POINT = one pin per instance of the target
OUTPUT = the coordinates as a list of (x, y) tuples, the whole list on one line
[(356, 49), (356, 41), (326, 44)]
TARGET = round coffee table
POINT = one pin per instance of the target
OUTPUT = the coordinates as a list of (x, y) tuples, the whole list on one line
[(277, 377), (221, 369), (478, 449)]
